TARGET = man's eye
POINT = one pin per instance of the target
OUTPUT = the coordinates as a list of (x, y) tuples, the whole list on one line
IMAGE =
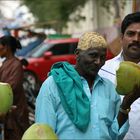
[(130, 33), (93, 55), (103, 57)]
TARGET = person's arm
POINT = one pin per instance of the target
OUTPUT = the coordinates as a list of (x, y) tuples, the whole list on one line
[(15, 75), (123, 114), (125, 106), (2, 115), (45, 110)]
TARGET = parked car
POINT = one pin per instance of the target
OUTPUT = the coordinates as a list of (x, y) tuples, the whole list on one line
[(45, 55), (26, 49), (35, 39)]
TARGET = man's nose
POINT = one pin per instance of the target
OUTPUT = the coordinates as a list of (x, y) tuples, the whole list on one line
[(137, 37), (98, 60)]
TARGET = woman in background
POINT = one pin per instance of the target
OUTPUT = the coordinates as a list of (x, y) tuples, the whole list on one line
[(11, 71)]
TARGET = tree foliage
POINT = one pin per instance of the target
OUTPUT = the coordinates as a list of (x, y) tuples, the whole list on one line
[(117, 4), (55, 13)]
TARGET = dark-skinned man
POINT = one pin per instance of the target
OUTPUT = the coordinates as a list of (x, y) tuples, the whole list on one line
[(77, 103)]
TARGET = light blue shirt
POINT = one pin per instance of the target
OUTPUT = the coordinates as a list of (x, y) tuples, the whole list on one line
[(103, 116)]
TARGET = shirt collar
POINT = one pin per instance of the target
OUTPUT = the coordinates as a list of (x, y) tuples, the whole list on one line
[(120, 57), (98, 78)]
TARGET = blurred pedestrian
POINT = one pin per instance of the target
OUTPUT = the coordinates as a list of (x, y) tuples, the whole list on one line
[(130, 39), (77, 103), (16, 121)]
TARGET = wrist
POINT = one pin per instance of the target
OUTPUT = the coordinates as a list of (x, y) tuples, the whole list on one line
[(124, 111), (126, 103), (128, 100)]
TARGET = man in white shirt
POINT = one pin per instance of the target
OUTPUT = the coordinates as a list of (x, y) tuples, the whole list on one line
[(130, 39)]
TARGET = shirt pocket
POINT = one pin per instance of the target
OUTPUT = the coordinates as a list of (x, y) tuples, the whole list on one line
[(106, 109)]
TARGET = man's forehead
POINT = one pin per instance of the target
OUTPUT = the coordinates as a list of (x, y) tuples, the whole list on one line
[(134, 27), (95, 49)]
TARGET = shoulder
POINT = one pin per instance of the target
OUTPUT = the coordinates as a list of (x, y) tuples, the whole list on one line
[(12, 64), (108, 70), (110, 63), (110, 89), (107, 82), (48, 90), (49, 85), (16, 61), (49, 80)]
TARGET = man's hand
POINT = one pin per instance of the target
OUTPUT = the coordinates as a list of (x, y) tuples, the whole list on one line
[(2, 115), (131, 97), (13, 108)]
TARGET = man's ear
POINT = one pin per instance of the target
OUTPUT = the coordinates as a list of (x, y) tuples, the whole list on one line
[(77, 54), (76, 51), (121, 36)]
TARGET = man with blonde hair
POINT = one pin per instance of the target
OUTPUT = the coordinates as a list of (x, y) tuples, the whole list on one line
[(76, 102)]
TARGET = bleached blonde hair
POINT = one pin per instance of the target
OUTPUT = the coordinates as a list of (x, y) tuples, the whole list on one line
[(91, 40)]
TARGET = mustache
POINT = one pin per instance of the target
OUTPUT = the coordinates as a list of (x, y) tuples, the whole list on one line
[(134, 44), (95, 66)]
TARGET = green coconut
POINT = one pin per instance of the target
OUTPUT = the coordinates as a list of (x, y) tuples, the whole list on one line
[(39, 131), (6, 98), (127, 76)]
